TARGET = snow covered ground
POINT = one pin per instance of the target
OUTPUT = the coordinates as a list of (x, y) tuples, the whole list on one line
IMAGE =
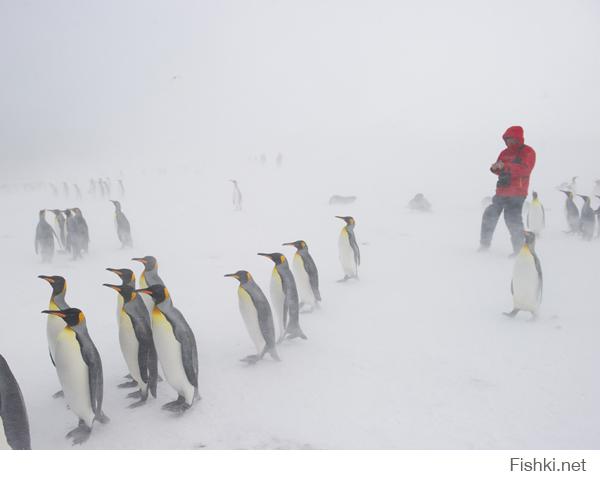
[(415, 355)]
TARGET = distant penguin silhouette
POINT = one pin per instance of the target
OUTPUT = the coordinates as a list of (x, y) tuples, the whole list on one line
[(536, 216), (419, 203), (44, 238), (236, 196), (122, 225), (571, 212), (348, 249), (587, 221)]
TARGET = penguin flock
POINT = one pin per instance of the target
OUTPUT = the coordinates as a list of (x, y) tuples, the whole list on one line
[(154, 334), (70, 230)]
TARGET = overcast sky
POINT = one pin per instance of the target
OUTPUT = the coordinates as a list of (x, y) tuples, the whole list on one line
[(114, 80)]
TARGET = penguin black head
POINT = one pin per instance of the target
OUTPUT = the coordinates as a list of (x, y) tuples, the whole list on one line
[(127, 292), (77, 211), (535, 195), (149, 262), (124, 274), (349, 220), (233, 181), (277, 257), (242, 275), (58, 284), (158, 293), (67, 212), (299, 244), (56, 212), (42, 212), (117, 204), (72, 316), (586, 199), (568, 193)]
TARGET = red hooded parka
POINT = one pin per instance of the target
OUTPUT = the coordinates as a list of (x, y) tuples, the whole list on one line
[(519, 161)]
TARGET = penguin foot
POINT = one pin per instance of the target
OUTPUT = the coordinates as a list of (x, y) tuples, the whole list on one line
[(136, 394), (80, 434), (345, 279), (131, 384), (250, 359), (128, 376), (59, 394), (511, 314), (139, 403), (177, 406)]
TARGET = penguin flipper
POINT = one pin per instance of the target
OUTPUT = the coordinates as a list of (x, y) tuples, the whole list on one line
[(538, 267), (51, 359), (189, 352), (91, 357), (512, 313), (313, 275)]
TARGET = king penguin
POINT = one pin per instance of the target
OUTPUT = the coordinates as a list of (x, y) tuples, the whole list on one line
[(149, 277), (349, 251), (59, 221), (137, 345), (122, 225), (176, 348), (14, 423), (284, 298), (572, 212), (236, 196), (527, 280), (306, 274), (44, 238), (587, 222), (55, 324), (80, 372), (82, 228), (257, 315), (536, 217)]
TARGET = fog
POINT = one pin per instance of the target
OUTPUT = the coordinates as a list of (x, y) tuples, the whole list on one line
[(86, 85), (378, 100)]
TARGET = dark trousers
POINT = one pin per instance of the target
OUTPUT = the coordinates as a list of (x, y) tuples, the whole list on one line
[(513, 216)]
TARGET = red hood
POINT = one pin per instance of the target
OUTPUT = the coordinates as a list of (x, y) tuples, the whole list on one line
[(516, 133)]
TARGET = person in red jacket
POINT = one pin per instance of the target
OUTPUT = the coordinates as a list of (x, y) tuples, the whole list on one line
[(513, 167)]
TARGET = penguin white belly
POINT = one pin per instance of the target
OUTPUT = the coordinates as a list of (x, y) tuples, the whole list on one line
[(74, 375), (170, 357), (525, 283), (130, 348), (3, 441), (54, 325), (346, 254), (303, 281), (535, 219), (277, 299), (250, 316)]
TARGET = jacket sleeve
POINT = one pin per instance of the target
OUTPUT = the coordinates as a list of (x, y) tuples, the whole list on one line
[(525, 167)]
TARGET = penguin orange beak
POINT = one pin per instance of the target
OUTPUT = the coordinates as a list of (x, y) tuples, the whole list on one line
[(143, 290), (234, 275), (114, 287), (58, 313), (288, 243), (139, 260), (115, 270), (44, 277)]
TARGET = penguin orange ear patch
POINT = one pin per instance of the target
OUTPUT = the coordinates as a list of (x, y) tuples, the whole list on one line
[(81, 317), (282, 258)]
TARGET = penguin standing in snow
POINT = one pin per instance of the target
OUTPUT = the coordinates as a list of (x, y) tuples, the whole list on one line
[(348, 248), (256, 312), (236, 196), (137, 345), (80, 372), (149, 277), (55, 324), (572, 212), (176, 347), (536, 217), (59, 222), (284, 297), (14, 423), (306, 275), (44, 238), (75, 240), (527, 281), (587, 221), (82, 228), (123, 226)]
